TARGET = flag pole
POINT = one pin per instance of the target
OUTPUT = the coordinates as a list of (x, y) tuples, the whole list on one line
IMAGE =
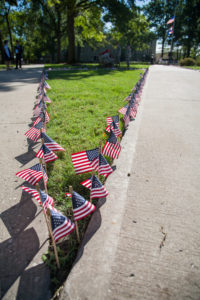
[(100, 150), (76, 224), (91, 185), (171, 48), (38, 189), (119, 127), (45, 165), (45, 186), (52, 238)]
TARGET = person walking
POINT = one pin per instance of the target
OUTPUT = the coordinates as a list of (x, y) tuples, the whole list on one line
[(18, 53), (128, 56), (7, 55)]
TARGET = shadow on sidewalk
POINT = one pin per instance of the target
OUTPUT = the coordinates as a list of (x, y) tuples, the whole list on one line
[(18, 251), (8, 79)]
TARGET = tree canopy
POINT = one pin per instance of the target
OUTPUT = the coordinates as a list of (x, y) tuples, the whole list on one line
[(54, 29)]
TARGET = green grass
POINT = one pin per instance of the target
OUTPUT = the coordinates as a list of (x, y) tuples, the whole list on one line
[(2, 67), (136, 65), (193, 67), (81, 101)]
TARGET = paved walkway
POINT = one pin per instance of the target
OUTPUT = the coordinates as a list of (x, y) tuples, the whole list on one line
[(147, 239), (23, 232)]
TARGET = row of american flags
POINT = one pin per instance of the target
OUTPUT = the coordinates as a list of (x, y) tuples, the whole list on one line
[(92, 160)]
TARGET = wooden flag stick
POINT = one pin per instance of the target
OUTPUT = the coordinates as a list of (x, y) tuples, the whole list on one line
[(91, 185), (45, 186), (45, 165), (119, 127), (45, 216), (100, 150), (76, 224), (52, 238)]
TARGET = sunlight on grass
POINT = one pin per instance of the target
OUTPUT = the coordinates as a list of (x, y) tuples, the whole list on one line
[(81, 101)]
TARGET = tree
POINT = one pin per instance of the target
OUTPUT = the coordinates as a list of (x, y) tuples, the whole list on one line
[(158, 13)]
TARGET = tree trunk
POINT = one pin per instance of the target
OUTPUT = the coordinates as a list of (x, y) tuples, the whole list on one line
[(71, 36), (58, 32), (78, 52), (188, 47), (10, 34), (2, 49), (163, 43)]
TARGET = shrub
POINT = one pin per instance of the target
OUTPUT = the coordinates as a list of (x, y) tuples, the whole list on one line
[(187, 61), (198, 61)]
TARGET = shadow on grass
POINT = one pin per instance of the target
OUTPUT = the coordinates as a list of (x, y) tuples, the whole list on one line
[(80, 74)]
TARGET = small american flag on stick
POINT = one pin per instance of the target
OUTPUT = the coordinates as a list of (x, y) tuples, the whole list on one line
[(51, 144), (114, 128), (112, 147), (33, 174), (82, 160), (81, 207), (123, 109), (126, 117), (46, 153), (96, 187), (61, 225), (46, 199), (101, 165), (44, 117), (34, 132)]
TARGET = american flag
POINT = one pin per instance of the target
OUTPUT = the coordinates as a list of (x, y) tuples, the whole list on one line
[(37, 111), (47, 86), (133, 108), (171, 20), (123, 109), (34, 132), (46, 199), (46, 153), (82, 160), (96, 187), (112, 147), (46, 98), (68, 195), (34, 193), (101, 165), (81, 207), (87, 183), (33, 174), (39, 108), (44, 117), (109, 120), (51, 144), (61, 225), (126, 117), (114, 128)]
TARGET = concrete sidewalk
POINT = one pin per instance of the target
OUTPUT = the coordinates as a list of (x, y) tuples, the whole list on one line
[(23, 232), (144, 241)]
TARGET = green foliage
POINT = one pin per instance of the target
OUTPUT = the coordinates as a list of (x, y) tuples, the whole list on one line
[(187, 61), (89, 27)]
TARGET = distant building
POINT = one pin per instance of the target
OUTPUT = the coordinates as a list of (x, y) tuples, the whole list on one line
[(88, 54)]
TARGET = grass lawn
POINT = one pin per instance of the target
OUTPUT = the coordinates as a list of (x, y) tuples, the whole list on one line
[(81, 101), (193, 67), (136, 65), (3, 67)]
